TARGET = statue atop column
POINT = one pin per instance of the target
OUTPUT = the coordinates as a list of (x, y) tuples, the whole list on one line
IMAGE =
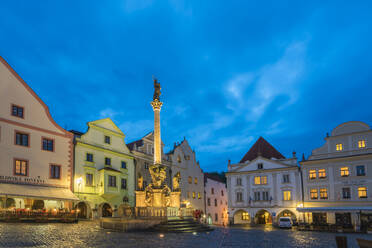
[(157, 89)]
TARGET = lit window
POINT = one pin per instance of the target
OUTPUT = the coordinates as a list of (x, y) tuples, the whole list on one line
[(190, 180), (313, 194), (323, 193), (245, 216), (339, 147), (344, 171), (287, 195), (312, 174), (257, 180), (193, 195), (361, 143), (179, 159), (264, 180), (107, 139), (360, 170), (322, 173), (21, 167), (362, 192), (195, 180), (199, 195)]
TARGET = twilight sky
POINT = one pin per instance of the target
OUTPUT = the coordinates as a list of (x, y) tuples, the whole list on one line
[(231, 71)]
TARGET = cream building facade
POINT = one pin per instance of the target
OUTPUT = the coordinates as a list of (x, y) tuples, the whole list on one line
[(191, 176), (35, 152), (215, 200), (263, 186), (104, 170), (337, 178)]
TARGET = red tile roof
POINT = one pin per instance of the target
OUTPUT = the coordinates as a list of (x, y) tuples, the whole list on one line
[(261, 148)]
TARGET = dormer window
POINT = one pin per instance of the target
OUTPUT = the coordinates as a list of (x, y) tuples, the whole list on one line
[(107, 140), (361, 144), (17, 111), (260, 166), (339, 147)]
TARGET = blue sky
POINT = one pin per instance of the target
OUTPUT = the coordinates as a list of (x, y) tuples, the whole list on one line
[(231, 71)]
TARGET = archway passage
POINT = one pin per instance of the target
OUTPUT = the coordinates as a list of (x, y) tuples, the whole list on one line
[(10, 203), (242, 217), (287, 213), (263, 217), (38, 204), (106, 210), (83, 210)]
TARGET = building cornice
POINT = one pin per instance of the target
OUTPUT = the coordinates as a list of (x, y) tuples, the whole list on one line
[(261, 171), (98, 148), (336, 159)]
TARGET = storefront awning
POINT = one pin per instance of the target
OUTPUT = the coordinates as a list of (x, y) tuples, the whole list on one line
[(40, 192), (335, 209)]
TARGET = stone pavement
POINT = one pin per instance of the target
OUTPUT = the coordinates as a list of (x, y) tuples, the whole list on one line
[(89, 234)]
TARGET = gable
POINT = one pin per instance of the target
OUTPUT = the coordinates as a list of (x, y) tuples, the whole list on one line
[(106, 125), (261, 148), (266, 163)]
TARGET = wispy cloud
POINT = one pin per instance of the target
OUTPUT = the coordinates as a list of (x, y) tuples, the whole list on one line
[(136, 129), (109, 113)]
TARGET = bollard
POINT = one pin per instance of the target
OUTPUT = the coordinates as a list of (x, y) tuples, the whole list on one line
[(341, 241)]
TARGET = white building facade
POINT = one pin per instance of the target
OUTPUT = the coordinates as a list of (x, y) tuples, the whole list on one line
[(337, 178), (263, 187), (215, 200)]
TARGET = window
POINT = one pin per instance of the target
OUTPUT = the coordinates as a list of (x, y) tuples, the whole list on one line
[(323, 193), (107, 140), (221, 192), (21, 139), (89, 157), (239, 196), (257, 180), (123, 165), (257, 196), (146, 165), (179, 159), (216, 217), (107, 161), (215, 202), (265, 196), (362, 192), (123, 183), (209, 201), (260, 180), (193, 195), (344, 171), (313, 194), (20, 167), (88, 179), (285, 178), (346, 193), (264, 180), (199, 195), (361, 143), (339, 147), (47, 144), (312, 174), (190, 180), (55, 171), (195, 180), (239, 181), (212, 191), (287, 195), (112, 181), (360, 170), (260, 166), (245, 216), (17, 111), (188, 194), (322, 173)]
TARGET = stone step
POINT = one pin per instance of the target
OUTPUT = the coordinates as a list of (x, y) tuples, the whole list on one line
[(181, 225)]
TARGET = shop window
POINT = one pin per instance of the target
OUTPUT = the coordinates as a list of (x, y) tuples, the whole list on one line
[(239, 196), (344, 171), (360, 170), (20, 167), (362, 192), (323, 193), (55, 171), (107, 139), (346, 193), (112, 181), (312, 174), (361, 144), (89, 157), (21, 139), (48, 144), (313, 194), (17, 111), (88, 179), (287, 195), (338, 147), (322, 173)]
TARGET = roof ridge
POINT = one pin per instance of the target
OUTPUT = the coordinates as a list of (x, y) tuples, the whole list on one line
[(261, 148)]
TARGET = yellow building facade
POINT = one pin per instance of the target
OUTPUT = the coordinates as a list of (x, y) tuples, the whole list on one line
[(104, 170)]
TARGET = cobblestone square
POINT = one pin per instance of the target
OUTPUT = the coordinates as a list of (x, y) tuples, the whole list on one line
[(89, 234)]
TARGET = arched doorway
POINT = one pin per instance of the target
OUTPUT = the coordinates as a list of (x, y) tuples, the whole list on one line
[(10, 203), (83, 210), (209, 220), (263, 217), (38, 204), (287, 213), (242, 217), (106, 210)]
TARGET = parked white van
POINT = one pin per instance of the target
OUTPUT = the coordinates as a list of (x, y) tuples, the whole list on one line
[(285, 222)]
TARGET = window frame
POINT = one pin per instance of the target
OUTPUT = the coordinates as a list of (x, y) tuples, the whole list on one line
[(86, 157), (366, 192), (324, 193), (339, 147), (50, 171), (321, 173), (239, 196), (312, 172), (349, 194), (344, 171), (86, 181), (284, 178), (361, 143), (22, 133), (364, 170), (105, 140), (17, 106), (121, 165), (107, 159), (49, 139), (287, 195), (314, 194), (27, 167), (109, 181), (125, 184)]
